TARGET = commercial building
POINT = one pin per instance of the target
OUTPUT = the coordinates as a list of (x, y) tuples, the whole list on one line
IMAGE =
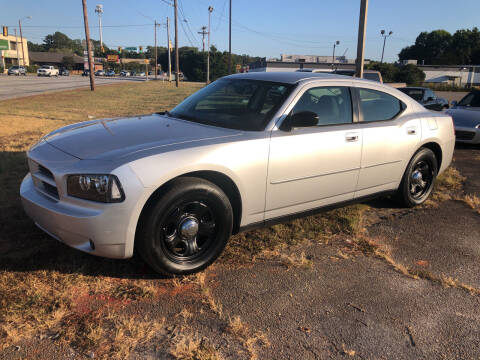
[(276, 65), (455, 75), (11, 51), (314, 59)]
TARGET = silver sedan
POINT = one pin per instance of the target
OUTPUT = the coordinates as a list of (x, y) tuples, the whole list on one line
[(466, 117), (247, 150)]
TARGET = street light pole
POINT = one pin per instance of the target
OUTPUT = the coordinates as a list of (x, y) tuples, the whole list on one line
[(156, 57), (210, 9), (362, 28), (16, 42), (177, 62), (169, 51), (21, 39), (230, 40), (382, 32), (99, 11), (334, 45)]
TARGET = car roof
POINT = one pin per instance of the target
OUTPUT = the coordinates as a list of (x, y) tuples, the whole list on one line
[(414, 87), (285, 77)]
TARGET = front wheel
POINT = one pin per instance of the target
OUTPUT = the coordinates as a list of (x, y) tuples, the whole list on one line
[(186, 228), (418, 179)]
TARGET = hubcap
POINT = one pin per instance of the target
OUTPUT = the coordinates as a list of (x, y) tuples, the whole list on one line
[(421, 179), (188, 230)]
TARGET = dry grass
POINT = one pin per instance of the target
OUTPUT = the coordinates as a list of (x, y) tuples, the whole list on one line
[(189, 347), (290, 260), (473, 201), (447, 186)]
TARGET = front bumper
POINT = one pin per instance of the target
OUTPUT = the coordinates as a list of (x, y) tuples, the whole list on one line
[(95, 231), (468, 135)]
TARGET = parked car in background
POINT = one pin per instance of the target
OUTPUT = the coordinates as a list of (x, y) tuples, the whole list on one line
[(367, 74), (141, 74), (311, 70), (47, 70), (426, 97), (86, 73), (125, 73), (17, 70), (99, 73), (133, 73), (64, 72), (247, 150), (110, 73), (466, 118)]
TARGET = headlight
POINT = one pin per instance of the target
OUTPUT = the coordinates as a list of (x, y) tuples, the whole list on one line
[(478, 126), (100, 188)]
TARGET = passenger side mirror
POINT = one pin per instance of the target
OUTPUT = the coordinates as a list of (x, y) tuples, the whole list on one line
[(430, 98), (301, 119), (454, 103)]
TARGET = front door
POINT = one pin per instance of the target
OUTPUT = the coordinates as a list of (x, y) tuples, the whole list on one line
[(315, 166)]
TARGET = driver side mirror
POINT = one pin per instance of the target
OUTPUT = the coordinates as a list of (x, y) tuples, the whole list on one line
[(299, 120), (430, 98), (454, 103)]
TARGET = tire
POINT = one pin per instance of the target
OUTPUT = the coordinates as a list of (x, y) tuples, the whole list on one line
[(418, 179), (167, 237)]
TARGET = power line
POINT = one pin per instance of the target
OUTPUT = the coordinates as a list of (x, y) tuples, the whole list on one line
[(186, 21)]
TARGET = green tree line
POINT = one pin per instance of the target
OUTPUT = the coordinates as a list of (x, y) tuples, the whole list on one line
[(439, 47)]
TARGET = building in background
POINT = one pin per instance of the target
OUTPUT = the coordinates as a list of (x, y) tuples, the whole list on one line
[(321, 59), (9, 55), (454, 75)]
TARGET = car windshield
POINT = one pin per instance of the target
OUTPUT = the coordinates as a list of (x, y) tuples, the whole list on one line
[(234, 103), (416, 94), (14, 67), (472, 99), (45, 67)]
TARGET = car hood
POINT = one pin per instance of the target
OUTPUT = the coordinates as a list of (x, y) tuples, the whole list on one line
[(110, 139), (465, 117)]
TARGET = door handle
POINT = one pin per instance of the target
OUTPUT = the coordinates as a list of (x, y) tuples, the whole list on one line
[(351, 137), (412, 131)]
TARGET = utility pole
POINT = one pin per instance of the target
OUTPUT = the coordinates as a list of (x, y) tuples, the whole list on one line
[(362, 28), (87, 37), (156, 56), (177, 63), (230, 39), (21, 39), (203, 33), (382, 32), (169, 51), (210, 9), (99, 11), (16, 42), (334, 45)]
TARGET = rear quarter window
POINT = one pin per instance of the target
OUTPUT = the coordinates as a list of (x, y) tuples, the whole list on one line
[(379, 106)]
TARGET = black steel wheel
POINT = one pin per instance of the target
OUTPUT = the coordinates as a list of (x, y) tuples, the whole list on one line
[(418, 179), (185, 227)]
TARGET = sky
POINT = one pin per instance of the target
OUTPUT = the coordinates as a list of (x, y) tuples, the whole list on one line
[(265, 28)]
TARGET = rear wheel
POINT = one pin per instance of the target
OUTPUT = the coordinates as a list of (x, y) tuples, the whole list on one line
[(186, 228), (418, 179)]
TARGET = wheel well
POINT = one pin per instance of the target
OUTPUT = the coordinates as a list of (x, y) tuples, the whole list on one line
[(437, 150), (221, 180)]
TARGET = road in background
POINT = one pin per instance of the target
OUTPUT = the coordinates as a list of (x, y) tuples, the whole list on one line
[(21, 86)]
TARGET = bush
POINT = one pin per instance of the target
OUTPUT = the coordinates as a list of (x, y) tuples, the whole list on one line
[(444, 87), (411, 75), (1, 69), (32, 68), (389, 71)]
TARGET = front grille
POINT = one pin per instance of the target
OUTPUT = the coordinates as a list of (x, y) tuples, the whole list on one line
[(464, 135), (43, 179)]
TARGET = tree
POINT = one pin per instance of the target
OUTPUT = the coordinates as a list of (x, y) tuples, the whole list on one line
[(410, 74), (389, 71), (68, 62), (439, 47)]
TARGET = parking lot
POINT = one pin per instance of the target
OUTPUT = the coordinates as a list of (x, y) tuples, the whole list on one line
[(369, 281), (20, 86)]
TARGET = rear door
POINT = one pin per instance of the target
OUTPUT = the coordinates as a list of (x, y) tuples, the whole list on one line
[(390, 136)]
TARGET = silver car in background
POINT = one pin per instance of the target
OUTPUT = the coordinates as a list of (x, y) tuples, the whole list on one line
[(247, 150), (466, 118)]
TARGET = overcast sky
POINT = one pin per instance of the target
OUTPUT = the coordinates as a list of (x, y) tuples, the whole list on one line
[(264, 28)]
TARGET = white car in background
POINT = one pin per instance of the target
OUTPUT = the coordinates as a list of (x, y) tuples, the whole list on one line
[(47, 70), (247, 150)]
